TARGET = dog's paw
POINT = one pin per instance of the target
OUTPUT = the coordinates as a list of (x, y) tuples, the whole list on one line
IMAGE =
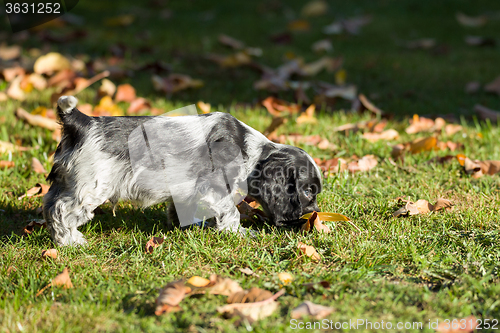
[(248, 232)]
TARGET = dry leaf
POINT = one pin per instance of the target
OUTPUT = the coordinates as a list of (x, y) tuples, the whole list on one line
[(420, 124), (8, 53), (423, 43), (153, 243), (138, 105), (390, 134), (299, 25), (106, 107), (204, 107), (472, 87), (198, 281), (366, 163), (308, 116), (314, 222), (456, 326), (120, 21), (14, 90), (107, 88), (248, 271), (314, 8), (422, 207), (9, 147), (328, 63), (38, 191), (423, 144), (278, 107), (332, 165), (470, 21), (309, 251), (249, 296), (37, 120), (37, 166), (223, 286), (494, 86), (28, 229), (50, 63), (254, 310), (125, 93), (174, 83), (369, 105), (323, 45), (38, 81), (51, 253), (231, 42), (170, 296), (6, 164), (11, 73), (442, 203), (285, 278), (451, 129), (63, 280), (231, 61), (310, 309), (480, 41), (271, 131)]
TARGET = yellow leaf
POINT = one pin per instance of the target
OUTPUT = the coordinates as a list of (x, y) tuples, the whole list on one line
[(285, 278), (51, 62), (340, 77), (197, 281), (423, 144), (327, 216), (299, 25), (41, 110)]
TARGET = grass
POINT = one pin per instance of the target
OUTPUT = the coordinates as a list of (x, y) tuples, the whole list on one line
[(423, 268)]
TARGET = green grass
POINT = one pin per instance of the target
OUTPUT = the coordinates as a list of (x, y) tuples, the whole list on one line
[(427, 267)]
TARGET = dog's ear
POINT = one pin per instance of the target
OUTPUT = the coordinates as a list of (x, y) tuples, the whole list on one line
[(274, 185)]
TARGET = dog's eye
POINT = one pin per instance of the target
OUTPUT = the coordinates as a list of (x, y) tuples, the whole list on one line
[(307, 192)]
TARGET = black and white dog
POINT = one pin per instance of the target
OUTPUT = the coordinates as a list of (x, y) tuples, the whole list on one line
[(198, 164)]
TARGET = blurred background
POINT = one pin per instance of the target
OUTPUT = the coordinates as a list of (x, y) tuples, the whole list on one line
[(407, 57)]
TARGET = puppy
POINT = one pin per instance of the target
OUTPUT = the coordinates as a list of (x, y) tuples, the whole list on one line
[(202, 165)]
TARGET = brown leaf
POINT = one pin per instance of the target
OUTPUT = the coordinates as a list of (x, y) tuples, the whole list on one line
[(420, 124), (310, 309), (62, 280), (231, 42), (308, 116), (309, 251), (443, 204), (366, 163), (51, 253), (251, 296), (470, 21), (423, 144), (314, 222), (314, 68), (174, 83), (11, 73), (38, 191), (9, 52), (332, 165), (390, 134), (472, 87), (486, 113), (107, 88), (223, 286), (278, 107), (198, 281), (451, 129), (449, 327), (6, 164), (50, 63), (170, 296), (480, 41), (271, 131), (37, 166), (253, 310), (423, 206), (137, 105), (494, 86), (248, 271), (37, 120), (14, 90), (125, 93), (28, 229), (153, 243), (64, 78), (204, 107)]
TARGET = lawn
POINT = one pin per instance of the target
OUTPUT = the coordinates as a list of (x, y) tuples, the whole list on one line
[(417, 269)]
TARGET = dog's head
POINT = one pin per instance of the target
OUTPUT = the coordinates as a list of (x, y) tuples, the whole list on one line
[(286, 183)]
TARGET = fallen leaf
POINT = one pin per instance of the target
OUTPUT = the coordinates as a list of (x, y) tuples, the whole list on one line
[(11, 73), (323, 45), (231, 61), (253, 310), (485, 113), (153, 243), (324, 216), (470, 21), (51, 253), (479, 41), (231, 42), (309, 251), (30, 227), (348, 92), (307, 117), (8, 53), (390, 134), (328, 63), (310, 309), (451, 129), (107, 88), (314, 222), (451, 327), (423, 144), (62, 79), (271, 131), (442, 203), (285, 278), (37, 120), (50, 63), (420, 124), (6, 164), (63, 280), (38, 191), (37, 166), (493, 86), (278, 107), (314, 8), (204, 107), (170, 296), (38, 81), (249, 296), (422, 207), (174, 83), (299, 25), (423, 43), (366, 163), (138, 105), (332, 165), (248, 271), (223, 286), (352, 25), (198, 282), (14, 90), (125, 93)]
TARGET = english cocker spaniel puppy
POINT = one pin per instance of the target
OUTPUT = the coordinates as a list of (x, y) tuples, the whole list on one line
[(202, 165)]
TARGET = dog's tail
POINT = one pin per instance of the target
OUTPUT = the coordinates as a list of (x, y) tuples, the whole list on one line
[(68, 114)]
